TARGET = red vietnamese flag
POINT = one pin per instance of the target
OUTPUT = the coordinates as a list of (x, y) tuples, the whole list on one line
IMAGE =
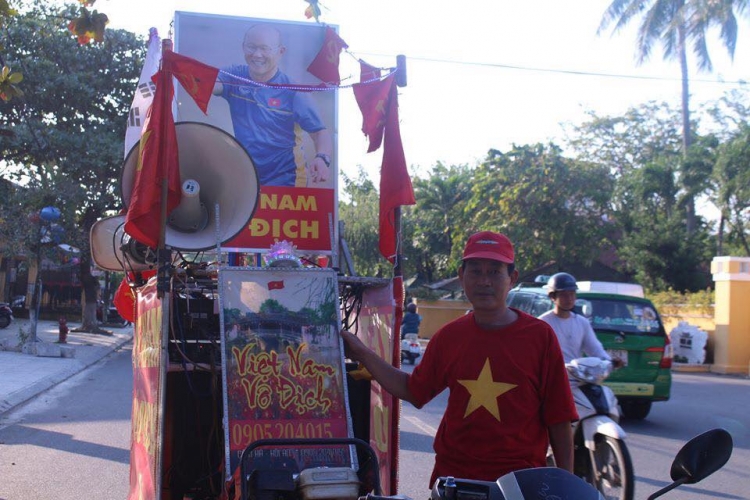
[(372, 99), (157, 160), (157, 156), (367, 72), (326, 64), (196, 78), (395, 183), (276, 285)]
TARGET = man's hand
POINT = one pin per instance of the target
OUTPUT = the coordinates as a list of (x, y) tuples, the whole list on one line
[(353, 347), (617, 363), (317, 171)]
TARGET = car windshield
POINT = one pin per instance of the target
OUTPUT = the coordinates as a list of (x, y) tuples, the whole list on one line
[(624, 315)]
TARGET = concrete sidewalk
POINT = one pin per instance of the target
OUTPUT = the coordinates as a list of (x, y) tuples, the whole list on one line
[(24, 376)]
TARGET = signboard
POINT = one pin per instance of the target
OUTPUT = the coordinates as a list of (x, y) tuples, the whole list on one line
[(283, 370), (375, 328), (149, 366), (688, 344), (289, 132)]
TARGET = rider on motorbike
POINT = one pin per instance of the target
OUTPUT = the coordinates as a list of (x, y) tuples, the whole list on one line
[(410, 322), (573, 331)]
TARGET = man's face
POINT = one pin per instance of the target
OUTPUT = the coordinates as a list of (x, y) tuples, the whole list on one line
[(565, 299), (263, 49), (487, 283)]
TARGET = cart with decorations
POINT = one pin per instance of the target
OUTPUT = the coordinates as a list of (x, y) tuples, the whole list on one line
[(238, 289)]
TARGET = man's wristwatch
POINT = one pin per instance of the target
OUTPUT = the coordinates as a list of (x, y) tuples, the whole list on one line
[(325, 158)]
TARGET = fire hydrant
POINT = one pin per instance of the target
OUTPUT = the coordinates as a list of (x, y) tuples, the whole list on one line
[(63, 325)]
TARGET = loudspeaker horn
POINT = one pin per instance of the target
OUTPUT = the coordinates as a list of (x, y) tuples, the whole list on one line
[(215, 169), (112, 249)]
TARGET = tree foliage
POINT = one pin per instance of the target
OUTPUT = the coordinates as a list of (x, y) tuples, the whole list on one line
[(441, 199), (70, 123), (360, 217), (552, 207), (620, 190), (676, 25)]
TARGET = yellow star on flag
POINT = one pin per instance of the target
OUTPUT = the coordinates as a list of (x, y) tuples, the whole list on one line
[(484, 392)]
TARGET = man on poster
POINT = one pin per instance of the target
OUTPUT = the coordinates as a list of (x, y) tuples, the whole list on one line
[(265, 117)]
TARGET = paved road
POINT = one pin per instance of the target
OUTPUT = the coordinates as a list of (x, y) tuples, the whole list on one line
[(72, 442)]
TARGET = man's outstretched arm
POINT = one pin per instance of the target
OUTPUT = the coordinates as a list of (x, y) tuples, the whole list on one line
[(393, 380)]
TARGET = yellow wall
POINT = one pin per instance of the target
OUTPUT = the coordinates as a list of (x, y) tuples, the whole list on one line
[(436, 313), (732, 277)]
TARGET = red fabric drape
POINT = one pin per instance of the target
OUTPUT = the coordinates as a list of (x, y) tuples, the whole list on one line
[(326, 63)]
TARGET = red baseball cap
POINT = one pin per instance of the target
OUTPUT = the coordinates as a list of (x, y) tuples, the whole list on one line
[(489, 245)]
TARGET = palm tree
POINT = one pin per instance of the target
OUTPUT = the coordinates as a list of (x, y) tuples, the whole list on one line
[(674, 23)]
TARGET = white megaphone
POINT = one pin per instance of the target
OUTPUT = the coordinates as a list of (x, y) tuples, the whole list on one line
[(112, 249), (215, 169)]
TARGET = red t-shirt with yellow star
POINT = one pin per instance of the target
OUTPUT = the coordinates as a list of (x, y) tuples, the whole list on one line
[(507, 385)]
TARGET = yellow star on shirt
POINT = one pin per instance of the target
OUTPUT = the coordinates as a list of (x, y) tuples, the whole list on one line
[(484, 392)]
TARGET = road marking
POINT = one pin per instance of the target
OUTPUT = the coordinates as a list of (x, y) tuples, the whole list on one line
[(426, 428)]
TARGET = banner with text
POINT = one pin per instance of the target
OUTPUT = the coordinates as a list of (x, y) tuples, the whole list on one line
[(284, 365), (300, 215)]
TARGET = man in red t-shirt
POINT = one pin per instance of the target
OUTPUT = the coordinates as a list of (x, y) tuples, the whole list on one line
[(509, 392)]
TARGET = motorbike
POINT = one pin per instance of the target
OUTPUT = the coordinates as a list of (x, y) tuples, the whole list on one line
[(601, 455), (6, 315), (410, 349), (699, 458), (113, 316)]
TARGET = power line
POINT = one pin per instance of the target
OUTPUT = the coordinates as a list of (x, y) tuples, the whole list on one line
[(560, 71)]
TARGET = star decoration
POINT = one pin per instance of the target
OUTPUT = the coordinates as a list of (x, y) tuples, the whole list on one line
[(484, 392)]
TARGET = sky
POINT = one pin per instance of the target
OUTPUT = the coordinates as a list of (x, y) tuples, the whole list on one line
[(481, 74)]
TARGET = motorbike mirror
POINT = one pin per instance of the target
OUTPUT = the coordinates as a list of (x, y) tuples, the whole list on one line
[(699, 458), (702, 456)]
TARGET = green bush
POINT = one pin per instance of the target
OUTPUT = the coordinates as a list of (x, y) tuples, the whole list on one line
[(669, 301)]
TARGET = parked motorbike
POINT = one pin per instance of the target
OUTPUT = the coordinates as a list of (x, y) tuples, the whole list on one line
[(113, 317), (6, 315), (410, 349), (601, 456)]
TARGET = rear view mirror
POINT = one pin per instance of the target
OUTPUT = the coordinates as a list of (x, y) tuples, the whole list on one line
[(699, 458), (702, 456)]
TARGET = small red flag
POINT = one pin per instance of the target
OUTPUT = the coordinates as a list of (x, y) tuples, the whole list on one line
[(326, 64), (372, 99), (275, 285), (157, 160), (124, 299), (367, 72), (124, 302), (395, 184), (196, 78), (158, 157)]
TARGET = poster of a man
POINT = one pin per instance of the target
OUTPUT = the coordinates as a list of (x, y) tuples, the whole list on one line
[(266, 119), (288, 133)]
